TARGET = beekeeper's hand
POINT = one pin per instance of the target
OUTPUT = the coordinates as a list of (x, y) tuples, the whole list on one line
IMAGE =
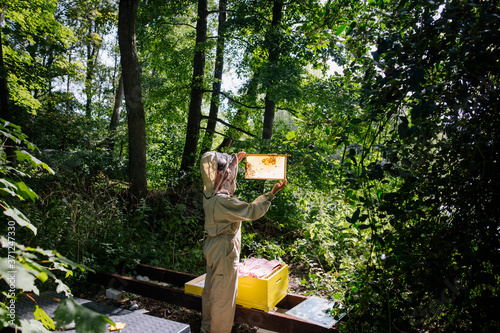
[(241, 155), (278, 187)]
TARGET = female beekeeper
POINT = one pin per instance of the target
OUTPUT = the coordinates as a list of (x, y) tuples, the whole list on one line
[(223, 216)]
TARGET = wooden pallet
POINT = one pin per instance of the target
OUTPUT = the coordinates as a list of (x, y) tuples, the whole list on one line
[(274, 321)]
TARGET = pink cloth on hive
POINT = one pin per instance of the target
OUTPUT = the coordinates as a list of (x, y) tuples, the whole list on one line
[(257, 268)]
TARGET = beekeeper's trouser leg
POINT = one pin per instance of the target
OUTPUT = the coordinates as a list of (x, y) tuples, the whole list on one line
[(219, 293)]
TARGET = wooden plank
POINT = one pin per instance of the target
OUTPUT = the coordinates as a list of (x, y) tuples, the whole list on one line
[(290, 301), (277, 322), (164, 275), (146, 289)]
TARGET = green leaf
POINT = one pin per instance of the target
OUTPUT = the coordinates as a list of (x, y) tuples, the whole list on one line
[(43, 276), (351, 27), (35, 162), (24, 277), (41, 316), (20, 218), (8, 187), (10, 136), (86, 320), (62, 287), (353, 158), (403, 130), (354, 217), (341, 29), (25, 192), (33, 326)]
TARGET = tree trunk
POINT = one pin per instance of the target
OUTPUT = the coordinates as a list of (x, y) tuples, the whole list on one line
[(270, 104), (89, 73), (68, 82), (133, 98), (115, 118), (194, 116), (269, 111), (219, 67)]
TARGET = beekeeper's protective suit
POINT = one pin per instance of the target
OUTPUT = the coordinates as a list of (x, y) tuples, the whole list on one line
[(223, 216)]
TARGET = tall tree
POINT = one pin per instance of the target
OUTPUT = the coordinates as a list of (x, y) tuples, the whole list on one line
[(277, 55), (92, 19), (131, 74), (272, 41), (197, 90), (216, 85), (33, 60), (115, 116), (166, 30)]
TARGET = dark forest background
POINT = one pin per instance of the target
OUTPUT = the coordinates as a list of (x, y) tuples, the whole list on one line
[(389, 110)]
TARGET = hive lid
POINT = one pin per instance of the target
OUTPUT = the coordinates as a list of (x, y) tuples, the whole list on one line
[(317, 311)]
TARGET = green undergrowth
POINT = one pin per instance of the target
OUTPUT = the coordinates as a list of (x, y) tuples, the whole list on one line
[(91, 223), (88, 220)]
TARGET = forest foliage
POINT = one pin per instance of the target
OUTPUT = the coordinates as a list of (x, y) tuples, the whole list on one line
[(388, 109)]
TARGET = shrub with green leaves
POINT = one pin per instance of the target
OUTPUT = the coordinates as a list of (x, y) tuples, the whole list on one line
[(21, 267)]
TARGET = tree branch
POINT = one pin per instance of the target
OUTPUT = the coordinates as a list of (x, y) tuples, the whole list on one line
[(235, 101), (178, 24), (215, 132), (292, 111), (240, 39), (228, 125), (213, 11)]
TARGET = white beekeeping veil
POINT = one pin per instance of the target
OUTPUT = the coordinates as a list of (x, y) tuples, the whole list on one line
[(219, 172)]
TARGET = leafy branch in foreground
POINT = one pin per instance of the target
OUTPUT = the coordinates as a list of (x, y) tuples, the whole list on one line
[(435, 235), (21, 266)]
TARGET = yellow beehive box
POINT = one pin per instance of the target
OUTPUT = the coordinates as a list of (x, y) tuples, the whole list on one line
[(260, 294), (195, 286)]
